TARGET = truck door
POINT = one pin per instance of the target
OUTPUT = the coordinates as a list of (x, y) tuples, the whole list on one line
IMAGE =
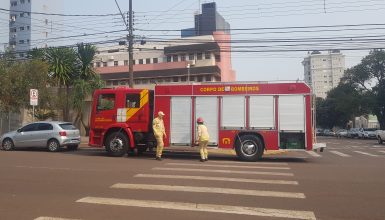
[(105, 112), (207, 108), (180, 121)]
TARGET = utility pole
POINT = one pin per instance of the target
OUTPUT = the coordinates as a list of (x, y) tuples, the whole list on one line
[(130, 47), (130, 39)]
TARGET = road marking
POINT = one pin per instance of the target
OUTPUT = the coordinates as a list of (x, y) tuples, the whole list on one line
[(248, 163), (355, 146), (364, 153), (378, 146), (313, 154), (228, 191), (339, 153), (210, 178), (225, 171), (382, 151), (228, 166), (183, 206), (53, 218)]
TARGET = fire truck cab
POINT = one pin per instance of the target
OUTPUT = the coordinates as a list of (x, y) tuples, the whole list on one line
[(250, 118)]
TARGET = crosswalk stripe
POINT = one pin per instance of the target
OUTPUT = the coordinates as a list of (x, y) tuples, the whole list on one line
[(382, 151), (224, 171), (313, 154), (249, 163), (339, 153), (364, 153), (229, 191), (228, 166), (210, 178), (183, 206), (53, 218)]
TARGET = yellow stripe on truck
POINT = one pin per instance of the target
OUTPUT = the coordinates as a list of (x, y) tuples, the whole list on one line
[(143, 101)]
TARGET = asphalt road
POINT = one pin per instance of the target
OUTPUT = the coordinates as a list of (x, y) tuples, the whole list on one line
[(346, 181)]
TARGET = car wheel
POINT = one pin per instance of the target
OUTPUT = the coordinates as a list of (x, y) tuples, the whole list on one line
[(117, 144), (73, 147), (53, 145), (249, 148), (380, 141), (7, 144)]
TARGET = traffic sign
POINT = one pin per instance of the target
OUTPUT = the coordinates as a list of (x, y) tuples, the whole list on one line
[(33, 97)]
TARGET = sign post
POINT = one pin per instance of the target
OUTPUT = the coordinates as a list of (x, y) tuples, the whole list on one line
[(33, 99)]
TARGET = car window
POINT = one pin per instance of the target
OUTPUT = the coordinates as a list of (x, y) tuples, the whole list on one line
[(44, 127), (132, 100), (67, 126), (30, 127)]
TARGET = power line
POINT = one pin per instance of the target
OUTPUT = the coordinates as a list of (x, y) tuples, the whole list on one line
[(59, 14)]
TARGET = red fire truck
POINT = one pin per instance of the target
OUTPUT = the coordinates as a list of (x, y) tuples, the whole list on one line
[(248, 117)]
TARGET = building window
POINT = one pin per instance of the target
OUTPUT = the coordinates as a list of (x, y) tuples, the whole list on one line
[(191, 56), (200, 78), (13, 3), (183, 79), (115, 82), (126, 62), (145, 81), (97, 64), (217, 58), (104, 64), (13, 30), (148, 61), (28, 27), (29, 1), (208, 78), (175, 79), (116, 63), (28, 41), (22, 1), (155, 60), (122, 83), (137, 81), (21, 54), (175, 58), (140, 61), (21, 28), (168, 59), (199, 56), (21, 41), (183, 57), (29, 14), (207, 55), (21, 15), (134, 62), (167, 80)]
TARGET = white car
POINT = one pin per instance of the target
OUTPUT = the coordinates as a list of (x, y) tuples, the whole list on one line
[(50, 134)]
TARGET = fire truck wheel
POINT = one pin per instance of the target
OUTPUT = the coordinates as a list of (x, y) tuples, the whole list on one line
[(117, 144), (249, 148)]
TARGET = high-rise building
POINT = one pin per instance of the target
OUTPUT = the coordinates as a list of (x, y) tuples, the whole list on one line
[(323, 71), (208, 22), (29, 25)]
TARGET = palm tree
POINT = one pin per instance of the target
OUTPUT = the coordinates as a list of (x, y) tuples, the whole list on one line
[(87, 81), (62, 67)]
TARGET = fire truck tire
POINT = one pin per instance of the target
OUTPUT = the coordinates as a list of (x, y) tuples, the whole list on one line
[(117, 144), (249, 148)]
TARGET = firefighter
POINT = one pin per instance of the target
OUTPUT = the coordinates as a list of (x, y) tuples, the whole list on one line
[(159, 133), (203, 139)]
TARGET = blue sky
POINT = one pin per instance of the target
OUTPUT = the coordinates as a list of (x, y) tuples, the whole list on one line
[(255, 66)]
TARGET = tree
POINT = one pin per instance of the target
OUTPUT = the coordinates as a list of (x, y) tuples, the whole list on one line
[(86, 83), (369, 79), (17, 78), (62, 68)]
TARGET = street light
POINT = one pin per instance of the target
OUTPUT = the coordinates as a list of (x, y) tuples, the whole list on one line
[(188, 73)]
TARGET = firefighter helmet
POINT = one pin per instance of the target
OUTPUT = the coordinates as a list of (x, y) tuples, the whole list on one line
[(200, 120)]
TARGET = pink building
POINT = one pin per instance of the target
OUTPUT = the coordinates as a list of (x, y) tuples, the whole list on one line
[(203, 54)]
